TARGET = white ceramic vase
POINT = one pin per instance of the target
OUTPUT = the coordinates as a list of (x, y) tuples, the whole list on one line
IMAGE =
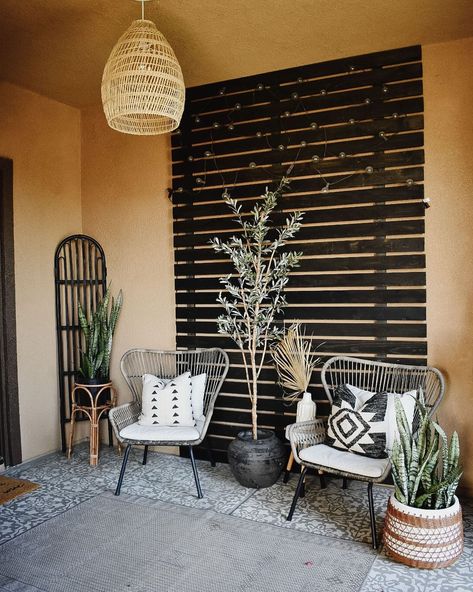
[(306, 408)]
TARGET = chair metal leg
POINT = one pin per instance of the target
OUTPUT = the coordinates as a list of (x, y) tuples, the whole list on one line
[(297, 494), (323, 483), (110, 434), (302, 492), (345, 483), (374, 538), (122, 471), (287, 472), (145, 455), (196, 474)]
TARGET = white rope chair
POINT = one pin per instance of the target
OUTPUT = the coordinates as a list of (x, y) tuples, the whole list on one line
[(167, 364), (370, 376)]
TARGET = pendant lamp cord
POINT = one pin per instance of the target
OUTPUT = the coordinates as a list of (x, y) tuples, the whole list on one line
[(142, 10)]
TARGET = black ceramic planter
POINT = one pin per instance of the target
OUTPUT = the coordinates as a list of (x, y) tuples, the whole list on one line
[(82, 398), (256, 463)]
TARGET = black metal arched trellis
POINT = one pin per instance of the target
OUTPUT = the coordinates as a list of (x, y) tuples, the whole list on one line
[(80, 273)]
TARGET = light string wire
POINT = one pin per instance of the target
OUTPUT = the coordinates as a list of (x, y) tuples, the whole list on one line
[(262, 173)]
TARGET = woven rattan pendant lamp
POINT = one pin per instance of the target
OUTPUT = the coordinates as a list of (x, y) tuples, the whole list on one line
[(143, 90)]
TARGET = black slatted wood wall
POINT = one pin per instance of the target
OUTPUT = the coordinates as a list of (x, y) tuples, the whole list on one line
[(350, 135)]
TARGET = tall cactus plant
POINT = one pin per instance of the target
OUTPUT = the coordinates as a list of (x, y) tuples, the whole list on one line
[(425, 465), (98, 333)]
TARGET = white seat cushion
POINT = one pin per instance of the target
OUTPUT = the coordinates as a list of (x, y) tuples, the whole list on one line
[(135, 431), (347, 462)]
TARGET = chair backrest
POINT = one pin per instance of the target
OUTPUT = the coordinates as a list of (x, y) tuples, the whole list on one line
[(169, 364), (379, 377)]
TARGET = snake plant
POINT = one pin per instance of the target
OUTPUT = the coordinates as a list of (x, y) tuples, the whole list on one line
[(425, 464), (98, 335)]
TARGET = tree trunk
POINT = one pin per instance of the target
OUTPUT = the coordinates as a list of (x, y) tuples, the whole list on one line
[(254, 398)]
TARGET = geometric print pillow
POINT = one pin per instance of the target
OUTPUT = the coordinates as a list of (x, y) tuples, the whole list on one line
[(167, 403), (363, 430)]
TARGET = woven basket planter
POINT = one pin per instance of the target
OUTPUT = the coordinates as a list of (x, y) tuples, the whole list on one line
[(423, 538)]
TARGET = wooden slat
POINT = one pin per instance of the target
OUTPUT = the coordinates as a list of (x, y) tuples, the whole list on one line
[(332, 231), (368, 212), (290, 201), (309, 95), (349, 296), (361, 62), (334, 329), (346, 169), (267, 156), (346, 131), (340, 280), (313, 313), (345, 346), (322, 118), (309, 183), (374, 262), (393, 357), (381, 244)]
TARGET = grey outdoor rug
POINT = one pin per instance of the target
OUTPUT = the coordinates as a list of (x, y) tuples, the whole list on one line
[(134, 544)]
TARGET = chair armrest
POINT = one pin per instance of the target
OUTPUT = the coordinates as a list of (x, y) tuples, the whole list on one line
[(304, 434), (123, 416)]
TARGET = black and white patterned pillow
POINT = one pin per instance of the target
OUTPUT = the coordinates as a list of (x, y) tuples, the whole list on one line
[(362, 430), (167, 403)]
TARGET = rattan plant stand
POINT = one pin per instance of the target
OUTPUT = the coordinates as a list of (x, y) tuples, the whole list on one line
[(94, 411)]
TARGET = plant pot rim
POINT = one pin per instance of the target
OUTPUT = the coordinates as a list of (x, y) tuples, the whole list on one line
[(92, 381), (247, 435), (442, 512)]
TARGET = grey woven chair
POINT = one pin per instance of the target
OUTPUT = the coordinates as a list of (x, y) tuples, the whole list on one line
[(371, 376), (166, 364)]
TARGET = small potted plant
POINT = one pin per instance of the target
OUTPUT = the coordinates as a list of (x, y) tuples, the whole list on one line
[(253, 298), (295, 362), (423, 526), (98, 340)]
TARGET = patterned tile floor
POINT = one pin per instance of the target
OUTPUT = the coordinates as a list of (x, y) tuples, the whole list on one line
[(332, 512)]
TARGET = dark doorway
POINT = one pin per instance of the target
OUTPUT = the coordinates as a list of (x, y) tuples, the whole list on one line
[(10, 441)]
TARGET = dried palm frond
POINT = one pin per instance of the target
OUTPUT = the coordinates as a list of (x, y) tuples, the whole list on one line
[(295, 361)]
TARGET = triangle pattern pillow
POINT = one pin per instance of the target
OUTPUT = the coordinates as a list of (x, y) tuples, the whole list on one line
[(361, 430), (167, 403)]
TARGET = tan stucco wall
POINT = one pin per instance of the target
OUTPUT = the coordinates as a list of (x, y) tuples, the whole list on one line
[(448, 91), (125, 206), (43, 139)]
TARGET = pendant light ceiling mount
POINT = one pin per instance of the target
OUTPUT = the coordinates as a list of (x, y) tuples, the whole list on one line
[(143, 91)]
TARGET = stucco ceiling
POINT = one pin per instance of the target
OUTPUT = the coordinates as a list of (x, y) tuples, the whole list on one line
[(59, 47)]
